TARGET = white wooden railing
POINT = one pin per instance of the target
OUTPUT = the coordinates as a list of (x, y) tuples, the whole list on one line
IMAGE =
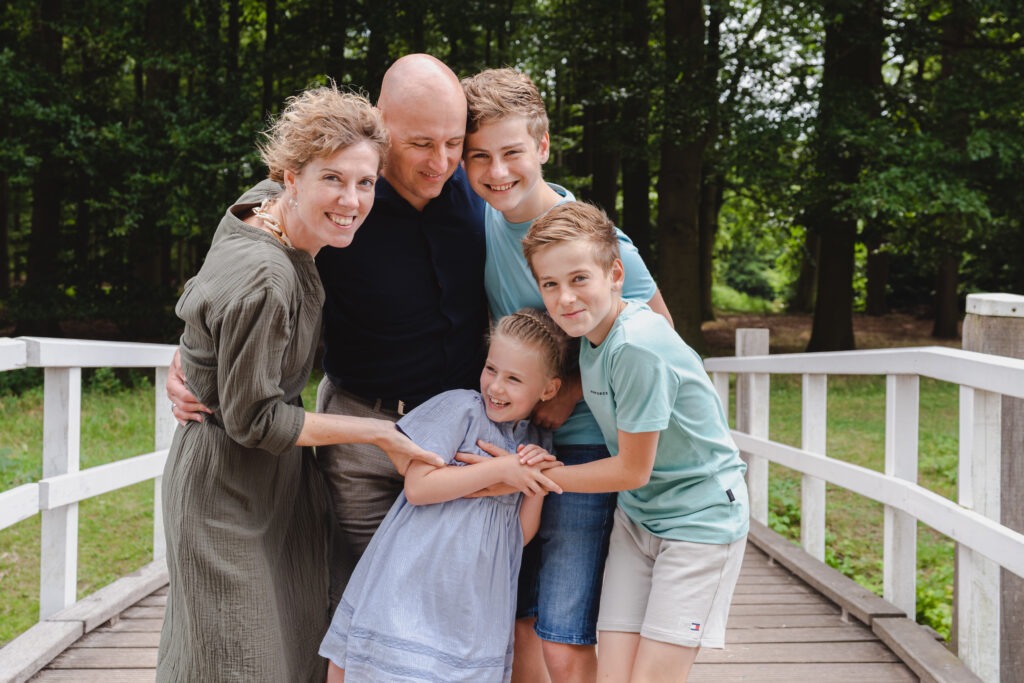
[(972, 521), (64, 485)]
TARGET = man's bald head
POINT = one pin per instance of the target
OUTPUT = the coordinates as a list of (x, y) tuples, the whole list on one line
[(415, 78), (424, 111)]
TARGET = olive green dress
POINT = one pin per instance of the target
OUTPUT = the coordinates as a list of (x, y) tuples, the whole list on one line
[(245, 510)]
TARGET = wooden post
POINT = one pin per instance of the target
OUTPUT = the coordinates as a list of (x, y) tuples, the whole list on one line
[(995, 324), (813, 433), (752, 417), (164, 432), (900, 536), (62, 418)]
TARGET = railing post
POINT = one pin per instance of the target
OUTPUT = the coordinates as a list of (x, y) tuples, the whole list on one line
[(813, 432), (62, 418), (995, 324), (164, 431), (976, 597), (752, 395), (899, 578)]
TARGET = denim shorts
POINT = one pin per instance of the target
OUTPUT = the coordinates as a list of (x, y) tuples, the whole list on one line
[(563, 566)]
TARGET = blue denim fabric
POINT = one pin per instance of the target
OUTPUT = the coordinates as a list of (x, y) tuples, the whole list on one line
[(560, 579)]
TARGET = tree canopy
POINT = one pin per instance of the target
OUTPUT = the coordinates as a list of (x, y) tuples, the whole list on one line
[(833, 155)]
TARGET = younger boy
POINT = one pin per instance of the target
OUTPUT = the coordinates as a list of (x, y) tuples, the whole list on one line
[(506, 145), (682, 518)]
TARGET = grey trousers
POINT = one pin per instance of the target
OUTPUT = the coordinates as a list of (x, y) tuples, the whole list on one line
[(363, 485)]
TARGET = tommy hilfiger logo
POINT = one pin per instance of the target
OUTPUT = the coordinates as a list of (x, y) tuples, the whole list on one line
[(695, 626)]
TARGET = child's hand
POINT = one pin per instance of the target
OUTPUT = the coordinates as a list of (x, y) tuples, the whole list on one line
[(533, 455), (529, 480)]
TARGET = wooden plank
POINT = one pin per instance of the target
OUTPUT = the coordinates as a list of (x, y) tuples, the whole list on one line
[(33, 649), (106, 638), (859, 601), (116, 676), (781, 621), (73, 487), (109, 601), (922, 652), (820, 607), (135, 626), (790, 587), (801, 653), (18, 503), (820, 634), (778, 599), (153, 600), (802, 673), (105, 658), (139, 612)]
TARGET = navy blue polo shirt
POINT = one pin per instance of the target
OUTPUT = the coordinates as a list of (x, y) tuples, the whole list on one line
[(405, 312)]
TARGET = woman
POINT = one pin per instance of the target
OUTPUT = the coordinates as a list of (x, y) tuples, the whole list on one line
[(245, 509)]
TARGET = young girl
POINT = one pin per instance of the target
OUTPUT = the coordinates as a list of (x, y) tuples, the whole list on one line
[(433, 598)]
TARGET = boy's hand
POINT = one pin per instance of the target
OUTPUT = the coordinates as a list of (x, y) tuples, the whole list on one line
[(533, 455), (184, 405), (529, 480), (553, 413)]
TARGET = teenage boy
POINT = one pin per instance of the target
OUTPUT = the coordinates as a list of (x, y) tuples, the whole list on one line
[(682, 518), (507, 143)]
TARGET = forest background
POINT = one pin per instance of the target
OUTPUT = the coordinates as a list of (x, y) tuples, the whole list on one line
[(827, 157)]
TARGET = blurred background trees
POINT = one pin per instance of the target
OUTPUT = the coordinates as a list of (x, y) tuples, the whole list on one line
[(831, 156)]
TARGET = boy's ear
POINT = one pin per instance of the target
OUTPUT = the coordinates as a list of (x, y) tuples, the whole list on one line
[(618, 273), (544, 148), (553, 385)]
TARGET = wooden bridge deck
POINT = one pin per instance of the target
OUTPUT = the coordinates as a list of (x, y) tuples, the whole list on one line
[(780, 629)]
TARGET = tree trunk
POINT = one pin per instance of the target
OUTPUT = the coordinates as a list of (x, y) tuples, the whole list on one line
[(712, 189), (604, 160), (832, 329), (850, 80), (5, 237), (877, 276), (41, 315), (679, 186), (636, 161), (336, 34), (269, 100), (947, 307)]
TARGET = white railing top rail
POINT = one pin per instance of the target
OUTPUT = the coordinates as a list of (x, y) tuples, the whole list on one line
[(998, 374), (12, 354), (45, 352)]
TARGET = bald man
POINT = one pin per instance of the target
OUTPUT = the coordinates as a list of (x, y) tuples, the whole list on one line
[(405, 312)]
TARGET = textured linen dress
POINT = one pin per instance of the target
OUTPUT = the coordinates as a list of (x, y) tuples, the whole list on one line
[(246, 511), (433, 598)]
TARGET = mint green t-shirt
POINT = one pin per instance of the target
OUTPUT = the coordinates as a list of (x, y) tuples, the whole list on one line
[(644, 378), (510, 286)]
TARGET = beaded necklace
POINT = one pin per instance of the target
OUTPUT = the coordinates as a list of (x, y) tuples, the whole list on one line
[(270, 222)]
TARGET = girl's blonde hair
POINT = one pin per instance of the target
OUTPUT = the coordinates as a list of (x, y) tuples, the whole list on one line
[(318, 123), (534, 327)]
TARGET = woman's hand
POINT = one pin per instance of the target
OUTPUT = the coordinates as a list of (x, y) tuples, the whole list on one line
[(402, 450), (184, 405)]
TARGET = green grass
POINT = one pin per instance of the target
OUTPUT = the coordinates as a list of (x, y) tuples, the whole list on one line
[(115, 530), (854, 528)]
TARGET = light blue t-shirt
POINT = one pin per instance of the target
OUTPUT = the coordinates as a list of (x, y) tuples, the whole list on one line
[(510, 286), (644, 378)]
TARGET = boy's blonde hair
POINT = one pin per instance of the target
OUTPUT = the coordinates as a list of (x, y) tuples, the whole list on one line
[(318, 123), (574, 222), (536, 328), (497, 94)]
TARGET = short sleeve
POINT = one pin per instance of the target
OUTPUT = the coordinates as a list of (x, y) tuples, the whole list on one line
[(442, 424), (639, 285), (250, 337), (644, 387)]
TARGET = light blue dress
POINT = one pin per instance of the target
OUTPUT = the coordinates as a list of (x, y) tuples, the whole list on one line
[(433, 598)]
